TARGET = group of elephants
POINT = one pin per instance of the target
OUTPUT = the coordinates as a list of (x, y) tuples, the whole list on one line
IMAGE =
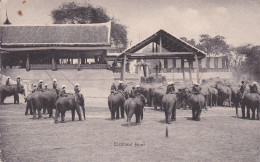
[(214, 92), (47, 100)]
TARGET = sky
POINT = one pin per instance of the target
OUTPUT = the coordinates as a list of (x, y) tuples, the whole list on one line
[(237, 20)]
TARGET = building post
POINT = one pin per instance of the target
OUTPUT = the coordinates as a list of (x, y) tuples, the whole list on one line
[(53, 63), (123, 68), (190, 62), (1, 53), (79, 62), (160, 44), (182, 68), (28, 62), (197, 65)]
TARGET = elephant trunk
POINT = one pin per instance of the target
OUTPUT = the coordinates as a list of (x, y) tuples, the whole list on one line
[(83, 110)]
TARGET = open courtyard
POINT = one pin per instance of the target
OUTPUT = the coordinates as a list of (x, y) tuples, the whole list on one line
[(219, 136)]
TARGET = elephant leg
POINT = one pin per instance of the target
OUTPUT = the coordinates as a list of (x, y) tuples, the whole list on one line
[(26, 110), (122, 111), (78, 112), (137, 116), (166, 116), (84, 112), (117, 112), (198, 114), (193, 114), (112, 114), (17, 99), (253, 113), (237, 109), (142, 113), (174, 113), (14, 99), (63, 116), (129, 116), (243, 110), (44, 110), (73, 114), (39, 114), (34, 113), (211, 100), (154, 104), (57, 116), (248, 112), (258, 113), (51, 112)]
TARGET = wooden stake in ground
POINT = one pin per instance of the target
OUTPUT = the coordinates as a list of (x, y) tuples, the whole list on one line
[(166, 133)]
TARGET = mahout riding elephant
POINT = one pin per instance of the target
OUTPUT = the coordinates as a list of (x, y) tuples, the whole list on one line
[(116, 100), (69, 102), (43, 99), (134, 106), (252, 102), (195, 101), (224, 93), (11, 90), (169, 105)]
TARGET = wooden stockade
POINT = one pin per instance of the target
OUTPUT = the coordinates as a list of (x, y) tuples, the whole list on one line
[(176, 47)]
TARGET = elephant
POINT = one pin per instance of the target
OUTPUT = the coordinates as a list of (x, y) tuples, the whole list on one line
[(147, 91), (69, 102), (157, 97), (11, 90), (205, 92), (152, 79), (116, 100), (169, 104), (236, 98), (197, 103), (252, 102), (28, 101), (224, 93), (135, 106), (43, 99)]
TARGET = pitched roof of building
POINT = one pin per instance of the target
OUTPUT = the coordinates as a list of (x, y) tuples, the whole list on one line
[(82, 35), (169, 42)]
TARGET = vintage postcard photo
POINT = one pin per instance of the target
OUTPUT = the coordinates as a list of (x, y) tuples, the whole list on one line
[(129, 80)]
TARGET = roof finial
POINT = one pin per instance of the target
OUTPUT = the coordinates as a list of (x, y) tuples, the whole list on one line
[(7, 22)]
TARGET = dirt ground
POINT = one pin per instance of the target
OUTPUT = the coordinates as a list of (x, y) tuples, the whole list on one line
[(219, 136)]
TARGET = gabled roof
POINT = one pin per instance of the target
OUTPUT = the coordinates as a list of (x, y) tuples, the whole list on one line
[(169, 42), (55, 35)]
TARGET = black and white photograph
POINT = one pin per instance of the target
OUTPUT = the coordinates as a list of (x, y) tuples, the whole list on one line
[(129, 80)]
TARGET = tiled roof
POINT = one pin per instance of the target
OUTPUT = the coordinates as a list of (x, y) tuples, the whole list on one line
[(169, 42), (56, 35)]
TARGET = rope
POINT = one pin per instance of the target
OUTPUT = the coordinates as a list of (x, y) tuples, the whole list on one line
[(66, 78), (48, 74)]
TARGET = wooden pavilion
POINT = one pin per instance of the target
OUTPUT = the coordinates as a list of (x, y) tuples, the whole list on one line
[(176, 49), (46, 46)]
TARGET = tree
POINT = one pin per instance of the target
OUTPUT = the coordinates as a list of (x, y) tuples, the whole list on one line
[(191, 42), (73, 13), (214, 46)]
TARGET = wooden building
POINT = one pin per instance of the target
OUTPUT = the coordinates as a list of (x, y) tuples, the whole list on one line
[(55, 46), (165, 47)]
